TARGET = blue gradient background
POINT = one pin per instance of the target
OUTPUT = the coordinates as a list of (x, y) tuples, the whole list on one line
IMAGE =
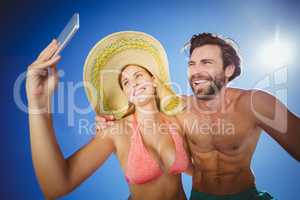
[(27, 27)]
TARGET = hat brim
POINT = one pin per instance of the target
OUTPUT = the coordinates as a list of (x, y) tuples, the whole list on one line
[(105, 62)]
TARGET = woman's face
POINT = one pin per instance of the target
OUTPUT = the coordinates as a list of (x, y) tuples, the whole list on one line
[(137, 84)]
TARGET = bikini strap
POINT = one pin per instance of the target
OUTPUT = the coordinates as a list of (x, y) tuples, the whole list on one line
[(134, 122), (135, 125), (169, 124)]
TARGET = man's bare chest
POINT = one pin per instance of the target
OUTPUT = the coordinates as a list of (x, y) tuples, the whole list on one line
[(226, 132)]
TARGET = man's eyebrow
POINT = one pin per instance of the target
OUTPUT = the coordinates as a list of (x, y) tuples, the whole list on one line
[(202, 60), (191, 62), (207, 59)]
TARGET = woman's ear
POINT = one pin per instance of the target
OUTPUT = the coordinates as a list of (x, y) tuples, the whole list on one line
[(154, 81)]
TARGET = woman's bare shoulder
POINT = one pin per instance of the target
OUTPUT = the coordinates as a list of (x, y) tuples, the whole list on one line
[(119, 128)]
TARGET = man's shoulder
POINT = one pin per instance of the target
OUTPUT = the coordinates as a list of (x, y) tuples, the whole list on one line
[(246, 95), (250, 99), (236, 91)]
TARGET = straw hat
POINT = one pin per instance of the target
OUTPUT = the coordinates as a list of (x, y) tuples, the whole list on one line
[(105, 62)]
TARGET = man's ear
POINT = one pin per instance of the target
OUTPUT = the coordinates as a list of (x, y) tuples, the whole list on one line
[(229, 71)]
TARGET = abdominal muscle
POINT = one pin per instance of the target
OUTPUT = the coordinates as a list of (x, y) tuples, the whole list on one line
[(219, 173)]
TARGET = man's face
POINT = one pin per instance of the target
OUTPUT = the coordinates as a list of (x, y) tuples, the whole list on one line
[(205, 71)]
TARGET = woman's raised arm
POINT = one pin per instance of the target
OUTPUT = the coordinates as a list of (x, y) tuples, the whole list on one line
[(56, 175)]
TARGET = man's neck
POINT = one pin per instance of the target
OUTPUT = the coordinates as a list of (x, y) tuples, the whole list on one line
[(215, 103)]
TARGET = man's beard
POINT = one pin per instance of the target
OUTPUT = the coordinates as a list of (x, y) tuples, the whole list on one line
[(209, 92)]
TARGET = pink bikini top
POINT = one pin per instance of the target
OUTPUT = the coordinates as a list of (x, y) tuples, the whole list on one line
[(142, 168)]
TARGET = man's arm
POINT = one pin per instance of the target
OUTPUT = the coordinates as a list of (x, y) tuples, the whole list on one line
[(275, 119)]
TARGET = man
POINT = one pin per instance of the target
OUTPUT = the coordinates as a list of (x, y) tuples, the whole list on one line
[(223, 124)]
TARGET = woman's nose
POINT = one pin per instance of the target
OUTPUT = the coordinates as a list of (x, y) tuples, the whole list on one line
[(134, 84)]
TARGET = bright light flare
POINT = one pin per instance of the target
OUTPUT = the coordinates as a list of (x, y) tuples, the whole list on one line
[(277, 53)]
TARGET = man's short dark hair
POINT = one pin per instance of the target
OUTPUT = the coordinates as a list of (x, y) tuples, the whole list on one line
[(230, 54)]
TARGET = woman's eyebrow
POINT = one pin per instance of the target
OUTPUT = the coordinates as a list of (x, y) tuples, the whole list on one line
[(136, 72), (124, 79)]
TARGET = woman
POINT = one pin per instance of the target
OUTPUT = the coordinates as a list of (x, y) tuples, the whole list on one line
[(148, 143)]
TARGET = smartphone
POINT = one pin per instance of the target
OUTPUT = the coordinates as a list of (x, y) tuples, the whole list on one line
[(67, 33)]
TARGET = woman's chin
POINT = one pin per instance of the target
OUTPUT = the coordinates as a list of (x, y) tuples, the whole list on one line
[(141, 101)]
